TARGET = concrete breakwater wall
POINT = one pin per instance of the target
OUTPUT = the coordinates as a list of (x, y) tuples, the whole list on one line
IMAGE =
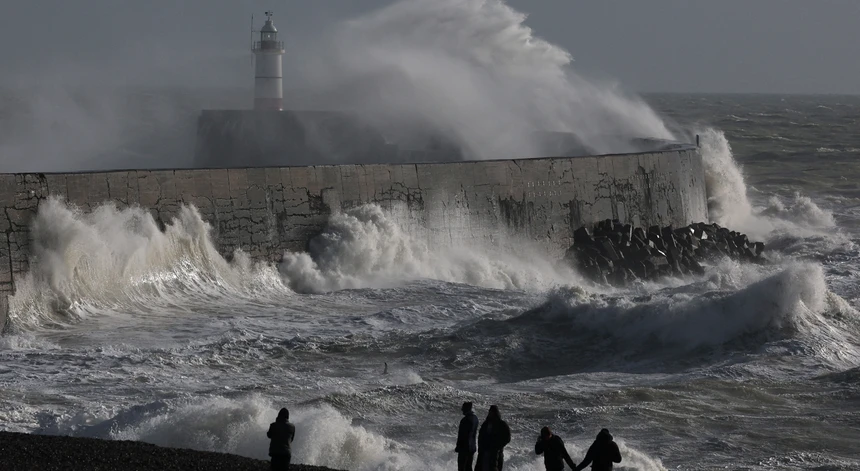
[(265, 211)]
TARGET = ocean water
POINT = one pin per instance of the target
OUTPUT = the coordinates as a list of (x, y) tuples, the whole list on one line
[(122, 331), (125, 332)]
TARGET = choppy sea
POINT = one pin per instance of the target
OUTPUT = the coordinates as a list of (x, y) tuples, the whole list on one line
[(122, 331)]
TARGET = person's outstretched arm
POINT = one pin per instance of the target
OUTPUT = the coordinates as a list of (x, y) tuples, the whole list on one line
[(473, 436), (588, 458), (269, 433), (566, 455), (616, 453), (292, 433)]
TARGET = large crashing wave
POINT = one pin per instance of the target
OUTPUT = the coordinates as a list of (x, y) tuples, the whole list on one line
[(738, 310), (366, 247), (472, 71), (470, 67), (729, 200), (110, 258), (793, 301), (90, 261)]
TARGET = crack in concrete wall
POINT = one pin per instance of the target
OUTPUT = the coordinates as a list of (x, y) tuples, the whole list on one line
[(265, 211)]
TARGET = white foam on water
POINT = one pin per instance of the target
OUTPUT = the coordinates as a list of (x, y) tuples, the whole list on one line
[(450, 64), (729, 204), (633, 459), (367, 247), (91, 262), (324, 436), (801, 210), (24, 342), (117, 262), (790, 303)]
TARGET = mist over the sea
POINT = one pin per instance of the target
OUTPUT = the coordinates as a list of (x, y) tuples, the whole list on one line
[(126, 330), (467, 71)]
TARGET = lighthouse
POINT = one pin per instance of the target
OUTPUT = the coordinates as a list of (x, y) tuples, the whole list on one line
[(270, 136), (268, 71)]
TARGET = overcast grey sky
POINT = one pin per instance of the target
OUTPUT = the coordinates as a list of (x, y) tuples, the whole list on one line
[(805, 46)]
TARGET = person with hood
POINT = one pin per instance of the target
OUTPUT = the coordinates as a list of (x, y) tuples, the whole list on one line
[(492, 439), (281, 432), (554, 453), (466, 438), (601, 454)]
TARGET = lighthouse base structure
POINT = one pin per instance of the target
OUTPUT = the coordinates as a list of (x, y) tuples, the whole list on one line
[(262, 138), (272, 104)]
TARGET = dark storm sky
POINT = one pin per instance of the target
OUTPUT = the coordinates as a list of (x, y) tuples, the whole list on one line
[(784, 46)]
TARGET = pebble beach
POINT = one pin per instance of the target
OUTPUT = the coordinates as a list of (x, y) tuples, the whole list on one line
[(23, 452)]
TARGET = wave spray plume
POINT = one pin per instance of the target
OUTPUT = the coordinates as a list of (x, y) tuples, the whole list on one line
[(472, 71)]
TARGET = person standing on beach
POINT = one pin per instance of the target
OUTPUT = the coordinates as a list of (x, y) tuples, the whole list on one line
[(602, 453), (281, 432), (466, 438), (492, 439), (554, 453)]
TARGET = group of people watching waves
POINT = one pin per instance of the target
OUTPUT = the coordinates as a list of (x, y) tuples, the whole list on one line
[(494, 434), (488, 441)]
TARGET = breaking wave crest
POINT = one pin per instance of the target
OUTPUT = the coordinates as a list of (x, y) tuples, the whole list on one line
[(729, 202), (84, 262), (727, 192), (119, 259), (748, 311), (367, 247), (788, 302), (736, 312)]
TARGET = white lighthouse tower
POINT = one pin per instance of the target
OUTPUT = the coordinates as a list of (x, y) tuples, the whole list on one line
[(268, 76)]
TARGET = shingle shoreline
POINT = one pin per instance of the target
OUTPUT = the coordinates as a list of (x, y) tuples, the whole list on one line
[(23, 452)]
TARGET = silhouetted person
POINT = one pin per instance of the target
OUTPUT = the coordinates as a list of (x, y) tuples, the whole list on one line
[(601, 454), (281, 432), (554, 453), (492, 438), (467, 438)]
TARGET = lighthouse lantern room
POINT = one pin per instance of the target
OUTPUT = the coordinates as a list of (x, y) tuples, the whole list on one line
[(268, 68)]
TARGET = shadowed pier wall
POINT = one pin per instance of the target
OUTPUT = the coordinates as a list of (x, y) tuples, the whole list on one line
[(265, 211)]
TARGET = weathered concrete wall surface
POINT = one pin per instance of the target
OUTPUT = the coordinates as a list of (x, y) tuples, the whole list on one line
[(265, 211)]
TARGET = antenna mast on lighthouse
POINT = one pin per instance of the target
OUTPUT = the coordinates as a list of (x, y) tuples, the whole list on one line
[(268, 68)]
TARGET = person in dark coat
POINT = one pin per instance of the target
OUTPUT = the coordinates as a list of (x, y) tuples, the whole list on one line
[(601, 454), (467, 439), (492, 439), (281, 432), (554, 453)]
